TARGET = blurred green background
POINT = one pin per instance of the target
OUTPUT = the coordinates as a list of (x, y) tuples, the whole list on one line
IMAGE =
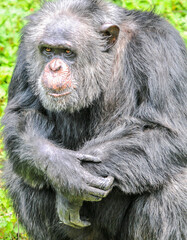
[(12, 13)]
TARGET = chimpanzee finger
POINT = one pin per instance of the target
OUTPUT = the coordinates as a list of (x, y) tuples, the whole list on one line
[(68, 223), (74, 219), (65, 218), (99, 182), (91, 198), (87, 158), (94, 194)]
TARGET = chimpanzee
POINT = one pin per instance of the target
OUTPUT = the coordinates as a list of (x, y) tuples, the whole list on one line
[(96, 125)]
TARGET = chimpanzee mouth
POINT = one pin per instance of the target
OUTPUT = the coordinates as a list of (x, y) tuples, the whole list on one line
[(56, 95)]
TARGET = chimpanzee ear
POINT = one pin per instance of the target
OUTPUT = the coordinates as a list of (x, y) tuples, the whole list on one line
[(111, 33)]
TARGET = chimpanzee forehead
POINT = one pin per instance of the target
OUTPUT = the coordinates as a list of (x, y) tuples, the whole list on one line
[(65, 30)]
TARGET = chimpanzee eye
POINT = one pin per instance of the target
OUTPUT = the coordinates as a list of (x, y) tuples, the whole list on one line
[(48, 49), (68, 52)]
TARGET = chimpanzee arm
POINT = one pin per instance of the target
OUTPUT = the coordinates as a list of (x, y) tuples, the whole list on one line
[(26, 135), (139, 156), (40, 162)]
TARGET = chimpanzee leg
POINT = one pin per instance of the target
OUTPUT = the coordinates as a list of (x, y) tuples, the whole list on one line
[(158, 216)]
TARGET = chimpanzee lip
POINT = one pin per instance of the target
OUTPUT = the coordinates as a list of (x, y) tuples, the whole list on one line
[(56, 95)]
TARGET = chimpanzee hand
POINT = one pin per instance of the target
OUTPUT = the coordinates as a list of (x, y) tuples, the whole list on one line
[(68, 176), (68, 212), (74, 185)]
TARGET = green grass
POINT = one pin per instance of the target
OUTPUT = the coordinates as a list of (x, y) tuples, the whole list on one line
[(12, 13)]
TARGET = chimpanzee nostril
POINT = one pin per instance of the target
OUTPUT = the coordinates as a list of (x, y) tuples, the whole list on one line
[(55, 65)]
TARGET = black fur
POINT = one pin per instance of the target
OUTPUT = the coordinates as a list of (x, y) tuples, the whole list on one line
[(126, 120)]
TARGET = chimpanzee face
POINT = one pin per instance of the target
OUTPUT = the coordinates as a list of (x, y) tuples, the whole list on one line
[(74, 68)]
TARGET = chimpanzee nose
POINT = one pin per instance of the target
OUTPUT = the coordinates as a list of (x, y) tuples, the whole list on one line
[(57, 76), (55, 65)]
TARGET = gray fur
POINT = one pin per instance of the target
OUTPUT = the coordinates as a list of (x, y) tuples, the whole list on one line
[(116, 147)]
